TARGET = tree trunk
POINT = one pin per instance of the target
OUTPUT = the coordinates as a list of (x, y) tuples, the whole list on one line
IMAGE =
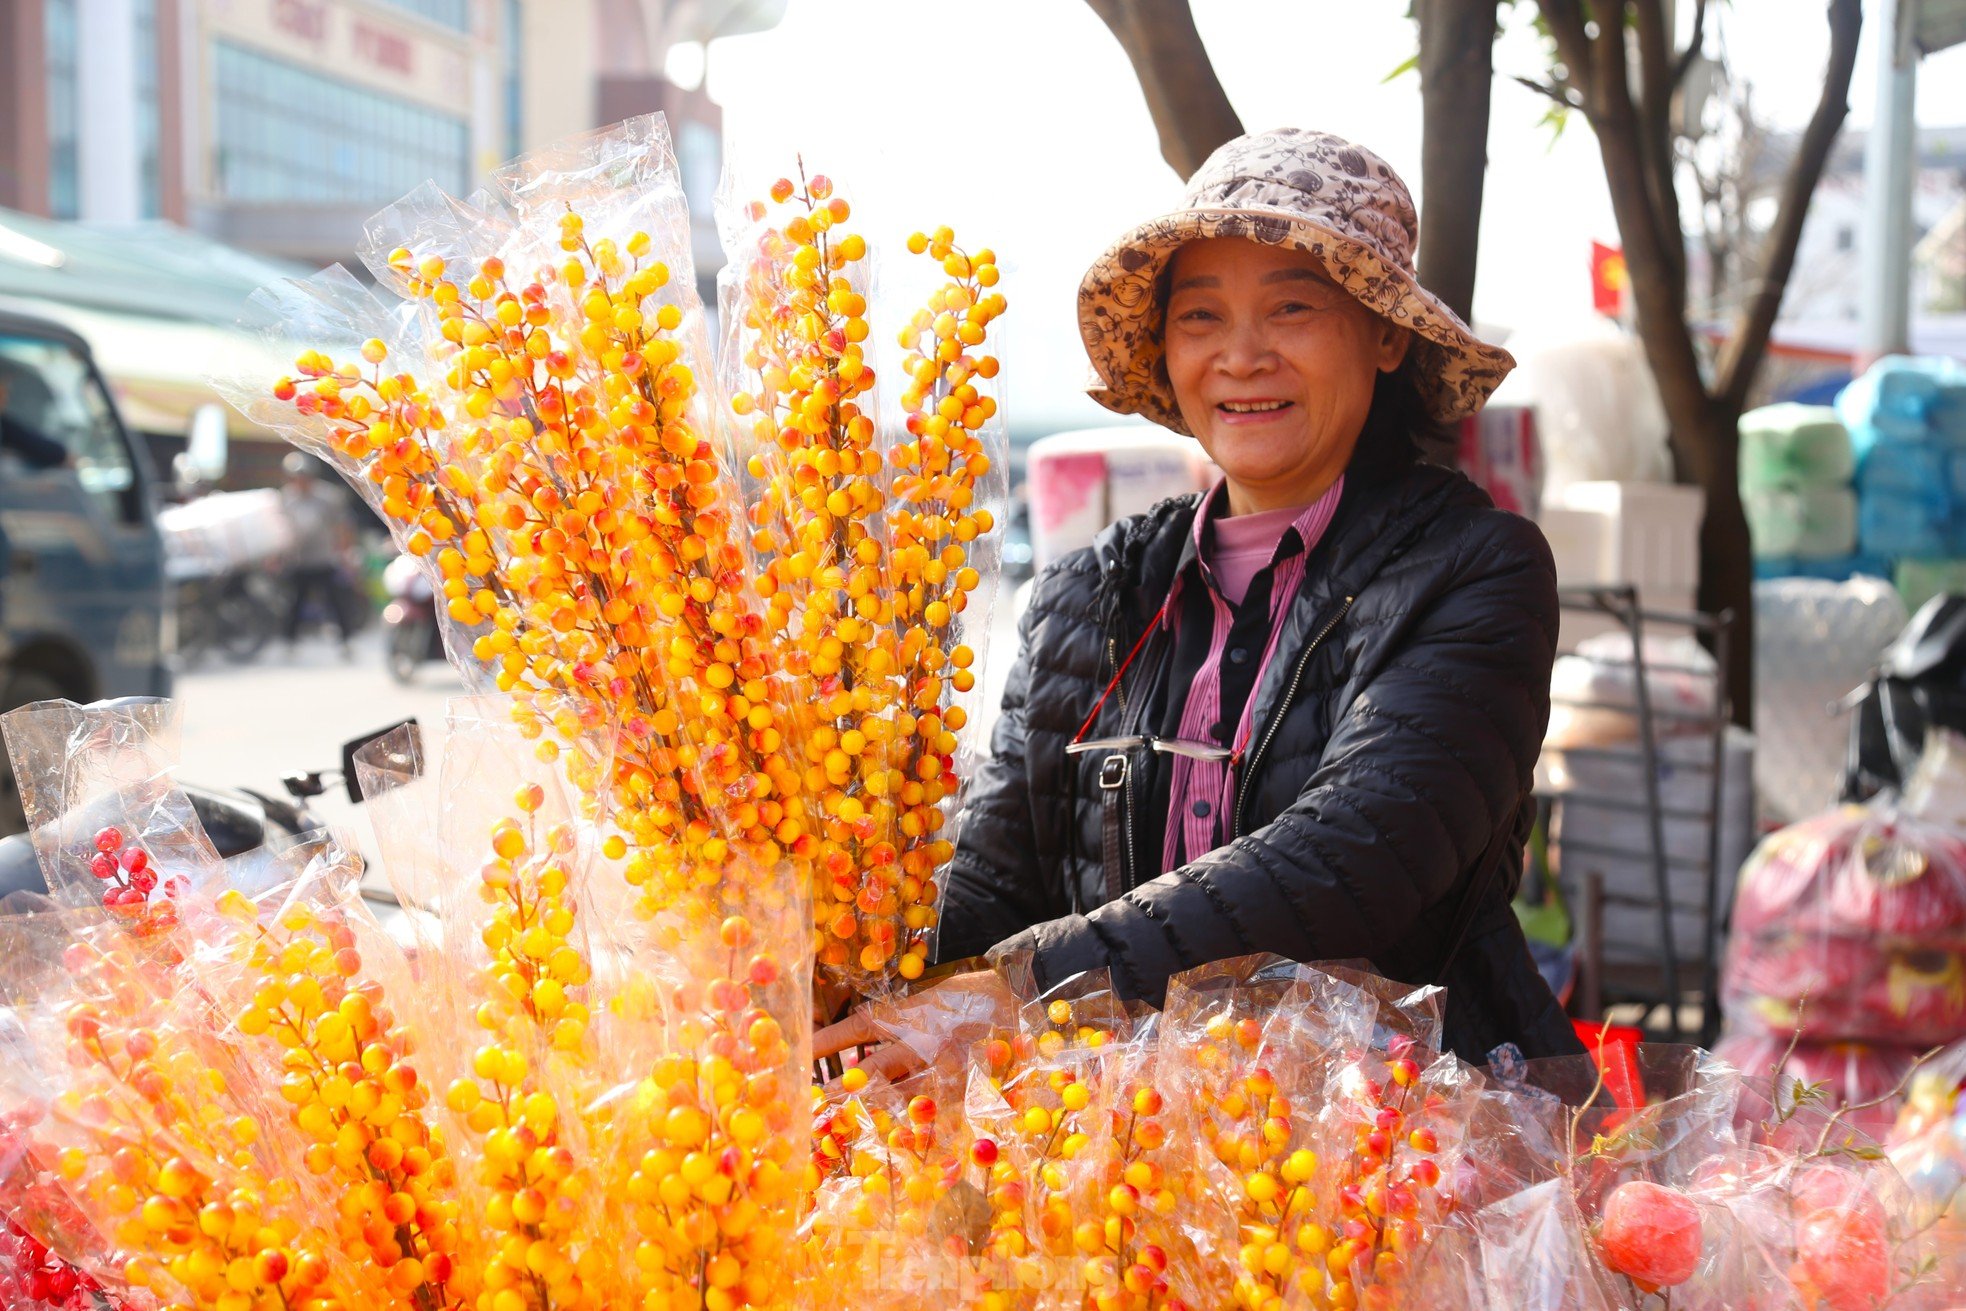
[(1457, 73), (1191, 111), (1726, 555)]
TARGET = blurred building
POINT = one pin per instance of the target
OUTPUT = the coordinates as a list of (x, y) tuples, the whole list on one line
[(204, 147), (279, 126)]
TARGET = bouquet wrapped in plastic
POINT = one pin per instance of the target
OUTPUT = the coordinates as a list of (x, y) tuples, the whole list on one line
[(1852, 925), (1712, 1193), (257, 1098), (754, 628)]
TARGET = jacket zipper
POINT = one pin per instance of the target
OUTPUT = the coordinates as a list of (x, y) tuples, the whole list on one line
[(1283, 707), (1126, 776)]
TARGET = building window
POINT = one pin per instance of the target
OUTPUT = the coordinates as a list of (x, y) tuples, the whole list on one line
[(1846, 237), (454, 14), (287, 134), (64, 113), (150, 200)]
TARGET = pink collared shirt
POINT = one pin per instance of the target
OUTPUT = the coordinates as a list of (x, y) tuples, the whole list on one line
[(1232, 561)]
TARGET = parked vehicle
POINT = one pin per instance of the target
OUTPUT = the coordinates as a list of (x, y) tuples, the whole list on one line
[(84, 607)]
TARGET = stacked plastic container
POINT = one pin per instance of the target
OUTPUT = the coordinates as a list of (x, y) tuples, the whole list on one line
[(1907, 422), (1796, 464)]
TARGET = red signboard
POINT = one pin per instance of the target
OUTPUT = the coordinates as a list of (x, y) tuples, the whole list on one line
[(386, 50), (306, 19)]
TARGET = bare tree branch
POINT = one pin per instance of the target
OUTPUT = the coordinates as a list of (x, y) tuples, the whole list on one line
[(1621, 144), (1655, 123), (1743, 353), (1693, 46), (1191, 111), (1554, 92)]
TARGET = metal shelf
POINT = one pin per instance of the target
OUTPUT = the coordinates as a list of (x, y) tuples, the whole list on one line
[(1661, 988)]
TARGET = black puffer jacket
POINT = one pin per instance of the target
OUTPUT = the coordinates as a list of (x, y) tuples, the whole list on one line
[(1395, 736)]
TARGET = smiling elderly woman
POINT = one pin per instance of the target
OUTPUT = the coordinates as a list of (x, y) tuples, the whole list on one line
[(1299, 713)]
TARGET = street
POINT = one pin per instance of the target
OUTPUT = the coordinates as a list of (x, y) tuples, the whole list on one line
[(247, 726), (250, 725)]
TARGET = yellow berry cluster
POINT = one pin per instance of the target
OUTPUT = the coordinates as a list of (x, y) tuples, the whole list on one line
[(819, 537), (163, 1153), (864, 558), (536, 1191), (935, 523), (719, 1164), (1139, 1186), (1258, 1211), (354, 1095)]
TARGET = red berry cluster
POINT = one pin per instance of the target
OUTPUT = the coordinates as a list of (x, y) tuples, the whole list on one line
[(30, 1270), (128, 874)]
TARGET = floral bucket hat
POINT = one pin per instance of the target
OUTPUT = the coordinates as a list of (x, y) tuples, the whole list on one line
[(1303, 190)]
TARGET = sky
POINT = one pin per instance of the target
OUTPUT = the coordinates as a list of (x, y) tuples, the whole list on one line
[(1019, 124)]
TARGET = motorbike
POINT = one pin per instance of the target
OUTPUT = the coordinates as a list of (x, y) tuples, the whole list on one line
[(411, 637), (1920, 685), (240, 821), (231, 611)]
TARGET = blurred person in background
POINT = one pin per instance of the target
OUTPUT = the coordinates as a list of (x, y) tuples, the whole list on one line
[(323, 538)]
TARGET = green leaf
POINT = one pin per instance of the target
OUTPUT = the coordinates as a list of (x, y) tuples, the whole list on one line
[(1555, 118), (1411, 65)]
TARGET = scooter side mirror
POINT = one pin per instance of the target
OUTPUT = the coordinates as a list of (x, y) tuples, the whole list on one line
[(350, 779)]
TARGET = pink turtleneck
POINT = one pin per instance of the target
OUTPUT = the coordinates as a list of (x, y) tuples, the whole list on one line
[(1244, 545)]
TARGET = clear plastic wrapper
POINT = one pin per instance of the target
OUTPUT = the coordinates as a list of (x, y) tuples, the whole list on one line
[(1814, 641), (950, 1017), (110, 827)]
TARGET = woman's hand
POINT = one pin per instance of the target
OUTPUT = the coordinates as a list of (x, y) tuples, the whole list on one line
[(890, 1060), (937, 1023)]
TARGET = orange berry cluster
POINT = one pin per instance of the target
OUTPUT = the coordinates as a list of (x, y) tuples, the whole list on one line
[(355, 1097), (536, 1191), (935, 524), (565, 477), (156, 1138), (864, 559), (1373, 1214), (818, 536), (583, 532)]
